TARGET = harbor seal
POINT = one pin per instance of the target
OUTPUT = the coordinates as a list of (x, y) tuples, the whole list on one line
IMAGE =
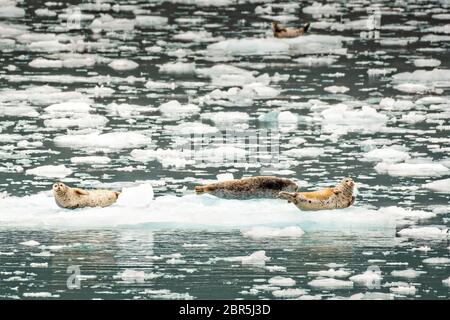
[(280, 32), (72, 198), (248, 188), (338, 197)]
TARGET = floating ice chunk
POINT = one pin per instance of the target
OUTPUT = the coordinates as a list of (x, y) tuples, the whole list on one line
[(419, 170), (221, 154), (123, 64), (437, 261), (287, 117), (406, 216), (107, 22), (226, 117), (225, 177), (40, 295), (380, 71), (10, 11), (133, 276), (282, 281), (267, 232), (423, 76), (330, 284), (176, 261), (408, 273), (45, 63), (139, 196), (370, 278), (365, 119), (442, 186), (387, 154), (309, 44), (150, 21), (112, 140), (69, 107), (446, 282), (174, 108), (313, 61), (259, 90), (90, 160), (82, 121), (413, 88), (420, 63), (160, 85), (319, 9), (45, 12), (413, 117), (289, 293), (39, 265), (330, 273), (196, 36), (398, 104), (30, 243), (256, 258), (424, 233), (404, 290), (50, 171), (311, 152), (177, 68), (336, 89), (192, 128), (432, 100)]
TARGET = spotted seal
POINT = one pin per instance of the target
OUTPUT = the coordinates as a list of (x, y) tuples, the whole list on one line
[(72, 198), (248, 188), (338, 197), (280, 32)]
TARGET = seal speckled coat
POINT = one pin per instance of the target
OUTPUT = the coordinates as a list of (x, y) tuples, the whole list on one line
[(247, 188), (72, 198), (280, 32), (338, 197)]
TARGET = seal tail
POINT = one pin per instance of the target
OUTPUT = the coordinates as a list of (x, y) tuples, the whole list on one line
[(200, 189), (289, 196), (306, 27)]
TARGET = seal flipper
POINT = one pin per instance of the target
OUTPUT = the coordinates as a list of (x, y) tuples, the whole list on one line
[(200, 189), (306, 27), (80, 191), (290, 197)]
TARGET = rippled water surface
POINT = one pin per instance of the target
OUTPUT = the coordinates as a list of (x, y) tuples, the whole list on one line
[(155, 97)]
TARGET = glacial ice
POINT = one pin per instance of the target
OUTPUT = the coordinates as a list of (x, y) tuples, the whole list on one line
[(123, 64), (408, 273), (281, 281), (437, 261), (268, 232), (442, 186), (387, 155), (105, 141), (412, 169), (367, 278), (50, 171), (424, 233), (330, 284)]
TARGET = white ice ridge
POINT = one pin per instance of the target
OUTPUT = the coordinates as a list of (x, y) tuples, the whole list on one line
[(136, 207)]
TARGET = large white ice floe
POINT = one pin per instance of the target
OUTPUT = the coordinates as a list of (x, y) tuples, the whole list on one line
[(123, 64), (412, 169), (387, 155), (309, 44), (438, 77), (177, 68), (330, 284), (442, 186), (425, 233), (50, 171), (408, 273), (193, 211), (105, 141), (174, 108)]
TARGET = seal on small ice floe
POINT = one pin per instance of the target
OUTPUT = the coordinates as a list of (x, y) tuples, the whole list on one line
[(247, 188), (280, 32), (72, 198), (338, 197)]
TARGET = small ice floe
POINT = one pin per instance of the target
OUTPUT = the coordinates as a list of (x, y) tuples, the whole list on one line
[(106, 141), (369, 278), (420, 63), (424, 233), (422, 249), (139, 196), (441, 76), (413, 117), (165, 294), (108, 23), (69, 107), (380, 71), (174, 108), (446, 282), (336, 89), (413, 88), (197, 36), (275, 268), (80, 121), (50, 171), (40, 295), (289, 293), (314, 61), (420, 170), (257, 258), (442, 186), (387, 154), (282, 281), (372, 296), (280, 117), (396, 104), (176, 261), (330, 273), (318, 9), (311, 152), (134, 276), (407, 290), (267, 232), (39, 265), (30, 243), (150, 21), (123, 64), (90, 160), (226, 118), (330, 284), (408, 273), (177, 68), (437, 261)]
